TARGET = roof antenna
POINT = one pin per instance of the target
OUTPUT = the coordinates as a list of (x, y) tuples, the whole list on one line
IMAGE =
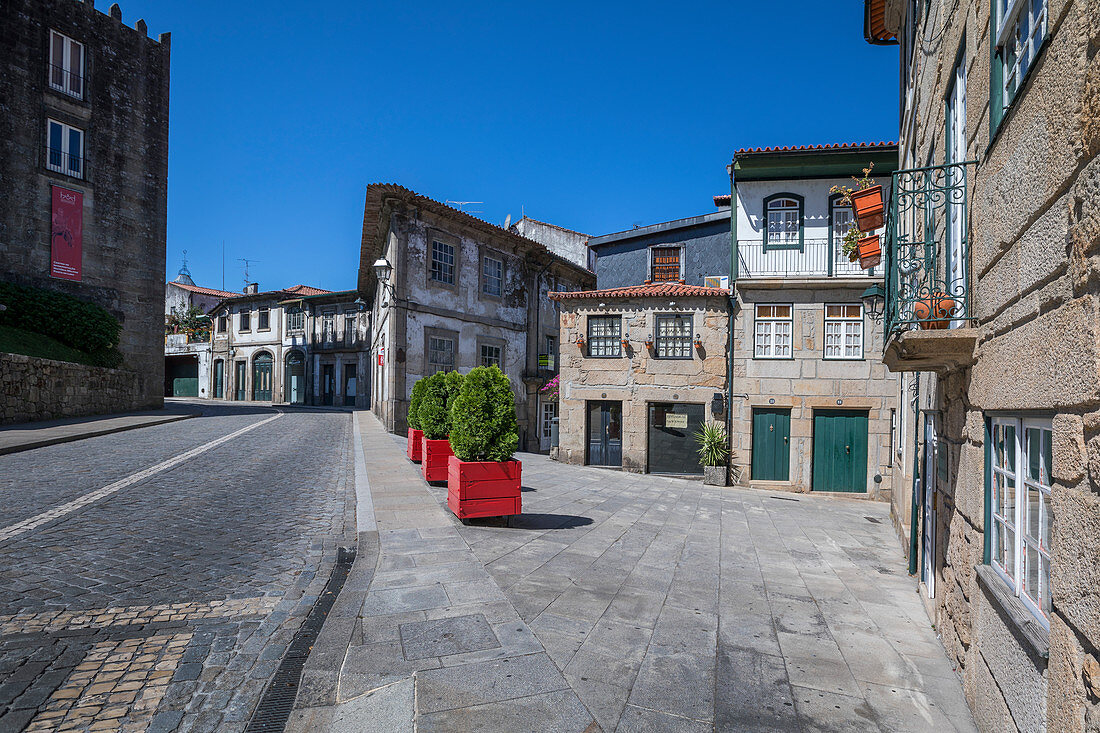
[(247, 262), (460, 205)]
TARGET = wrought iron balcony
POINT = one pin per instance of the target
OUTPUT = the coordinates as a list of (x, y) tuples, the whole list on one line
[(61, 162), (928, 308), (810, 258), (331, 342)]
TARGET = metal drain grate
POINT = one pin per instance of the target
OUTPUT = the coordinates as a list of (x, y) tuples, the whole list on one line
[(274, 709), (783, 498)]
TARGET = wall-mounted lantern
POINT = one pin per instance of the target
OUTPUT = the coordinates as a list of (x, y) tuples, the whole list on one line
[(649, 341), (718, 404), (626, 340), (698, 341), (580, 341)]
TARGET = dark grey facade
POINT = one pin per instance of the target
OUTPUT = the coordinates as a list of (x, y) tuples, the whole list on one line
[(113, 90), (624, 259)]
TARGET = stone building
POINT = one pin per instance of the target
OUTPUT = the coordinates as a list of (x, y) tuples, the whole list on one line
[(457, 293), (995, 223), (642, 368), (567, 243), (84, 161), (187, 355), (812, 408)]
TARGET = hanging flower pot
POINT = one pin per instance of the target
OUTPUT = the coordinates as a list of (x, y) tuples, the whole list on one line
[(935, 311), (868, 207), (870, 252)]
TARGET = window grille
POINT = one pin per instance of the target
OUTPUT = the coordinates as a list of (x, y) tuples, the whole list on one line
[(673, 337), (605, 335), (666, 264)]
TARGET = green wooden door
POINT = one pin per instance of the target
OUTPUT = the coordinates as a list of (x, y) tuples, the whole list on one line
[(840, 451), (771, 444)]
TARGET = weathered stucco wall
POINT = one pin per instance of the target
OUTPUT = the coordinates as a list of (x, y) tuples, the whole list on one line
[(638, 377), (44, 389)]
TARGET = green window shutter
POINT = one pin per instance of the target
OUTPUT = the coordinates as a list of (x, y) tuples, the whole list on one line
[(996, 76), (988, 474)]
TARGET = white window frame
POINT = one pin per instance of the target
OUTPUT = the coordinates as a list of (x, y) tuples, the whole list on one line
[(605, 336), (434, 367), (72, 79), (788, 212), (65, 152), (295, 319), (675, 343), (497, 277), (445, 273), (1018, 54), (766, 329), (548, 413), (848, 333), (1011, 526)]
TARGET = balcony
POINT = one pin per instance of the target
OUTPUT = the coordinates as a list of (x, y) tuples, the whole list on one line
[(813, 258), (350, 341), (928, 312), (59, 161)]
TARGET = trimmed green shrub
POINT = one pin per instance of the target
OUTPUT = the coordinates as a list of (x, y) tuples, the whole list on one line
[(415, 397), (483, 417), (440, 391), (84, 326)]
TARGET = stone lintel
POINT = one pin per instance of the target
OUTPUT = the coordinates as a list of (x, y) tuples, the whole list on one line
[(939, 351)]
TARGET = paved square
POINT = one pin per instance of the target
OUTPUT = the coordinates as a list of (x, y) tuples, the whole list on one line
[(446, 636)]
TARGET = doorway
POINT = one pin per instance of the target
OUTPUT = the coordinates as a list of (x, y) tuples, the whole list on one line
[(605, 433), (350, 382), (219, 379), (261, 377), (840, 451), (956, 218), (296, 378), (928, 491), (547, 412), (181, 376), (241, 375), (771, 444), (671, 446), (328, 384)]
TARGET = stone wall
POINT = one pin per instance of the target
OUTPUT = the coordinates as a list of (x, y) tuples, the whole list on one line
[(124, 116), (637, 377), (1034, 223), (44, 389)]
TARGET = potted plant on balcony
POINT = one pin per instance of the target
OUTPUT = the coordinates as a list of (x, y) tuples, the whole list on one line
[(934, 311), (435, 420), (416, 435), (714, 453), (483, 480), (865, 200), (867, 250)]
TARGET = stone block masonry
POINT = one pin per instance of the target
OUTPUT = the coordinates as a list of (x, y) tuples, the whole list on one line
[(44, 389)]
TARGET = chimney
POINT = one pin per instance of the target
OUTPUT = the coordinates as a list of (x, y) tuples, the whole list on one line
[(251, 289)]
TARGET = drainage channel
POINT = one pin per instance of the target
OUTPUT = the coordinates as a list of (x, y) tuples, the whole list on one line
[(275, 706)]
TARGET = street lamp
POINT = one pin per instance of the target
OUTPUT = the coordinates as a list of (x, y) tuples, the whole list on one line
[(382, 269), (874, 298)]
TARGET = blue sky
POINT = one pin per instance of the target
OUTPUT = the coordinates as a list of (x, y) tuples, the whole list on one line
[(593, 116)]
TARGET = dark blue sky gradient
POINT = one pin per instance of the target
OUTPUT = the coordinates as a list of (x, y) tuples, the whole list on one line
[(593, 116)]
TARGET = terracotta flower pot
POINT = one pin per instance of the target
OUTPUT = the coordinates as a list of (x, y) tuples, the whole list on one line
[(934, 312), (869, 250), (416, 437), (483, 488), (433, 459), (868, 208)]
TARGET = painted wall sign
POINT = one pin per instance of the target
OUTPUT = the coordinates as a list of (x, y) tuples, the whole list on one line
[(67, 232), (676, 421)]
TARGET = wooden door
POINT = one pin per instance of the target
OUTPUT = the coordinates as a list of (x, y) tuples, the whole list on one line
[(840, 451), (771, 444)]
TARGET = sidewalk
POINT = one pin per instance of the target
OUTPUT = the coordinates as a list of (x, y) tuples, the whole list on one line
[(622, 602), (27, 436)]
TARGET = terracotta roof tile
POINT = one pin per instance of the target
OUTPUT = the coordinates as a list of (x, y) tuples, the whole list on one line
[(656, 290), (305, 290), (723, 199), (810, 148), (205, 291)]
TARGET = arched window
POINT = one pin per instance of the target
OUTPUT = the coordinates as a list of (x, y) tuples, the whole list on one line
[(841, 219), (783, 221)]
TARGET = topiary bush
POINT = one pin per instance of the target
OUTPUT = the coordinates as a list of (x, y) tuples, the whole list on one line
[(440, 391), (483, 417), (77, 323), (415, 397)]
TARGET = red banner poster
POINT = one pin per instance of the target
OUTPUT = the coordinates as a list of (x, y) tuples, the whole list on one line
[(66, 241)]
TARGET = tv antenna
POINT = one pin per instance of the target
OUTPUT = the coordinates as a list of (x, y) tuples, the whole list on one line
[(461, 205), (247, 262)]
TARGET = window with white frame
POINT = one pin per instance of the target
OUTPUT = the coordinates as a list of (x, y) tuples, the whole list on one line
[(774, 326), (784, 221), (441, 354), (549, 412), (491, 356), (328, 326), (443, 263), (66, 65), (492, 276), (1020, 459), (843, 331), (64, 149), (1021, 28), (263, 323), (349, 328), (673, 336), (295, 319), (842, 220), (605, 336)]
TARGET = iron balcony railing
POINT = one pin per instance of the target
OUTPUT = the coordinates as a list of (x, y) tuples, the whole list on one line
[(64, 80), (927, 249), (61, 162), (330, 341), (810, 258)]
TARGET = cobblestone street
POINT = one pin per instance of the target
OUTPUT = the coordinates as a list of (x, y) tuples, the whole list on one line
[(137, 594)]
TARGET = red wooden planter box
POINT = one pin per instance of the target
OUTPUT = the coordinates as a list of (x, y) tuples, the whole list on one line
[(870, 252), (433, 459), (416, 437), (483, 488), (868, 207)]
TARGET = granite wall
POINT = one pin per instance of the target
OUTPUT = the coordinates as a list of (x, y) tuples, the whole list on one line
[(44, 389)]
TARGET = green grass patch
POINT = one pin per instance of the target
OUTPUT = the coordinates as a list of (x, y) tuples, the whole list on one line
[(15, 341)]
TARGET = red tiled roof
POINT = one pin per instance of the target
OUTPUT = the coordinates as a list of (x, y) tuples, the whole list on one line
[(205, 291), (656, 290), (305, 290), (809, 148), (723, 199)]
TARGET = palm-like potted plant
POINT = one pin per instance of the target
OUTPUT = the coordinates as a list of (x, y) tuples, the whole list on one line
[(483, 480), (435, 420), (416, 435), (714, 453)]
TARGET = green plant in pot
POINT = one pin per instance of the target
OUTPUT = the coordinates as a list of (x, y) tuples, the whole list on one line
[(416, 435), (440, 391), (714, 452), (483, 480)]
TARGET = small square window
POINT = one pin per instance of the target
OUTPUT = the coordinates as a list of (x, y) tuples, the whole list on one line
[(491, 356), (441, 354), (605, 336), (666, 264), (443, 263), (843, 332), (774, 328), (673, 337)]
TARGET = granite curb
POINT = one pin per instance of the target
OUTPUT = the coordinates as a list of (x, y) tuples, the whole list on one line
[(63, 436)]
